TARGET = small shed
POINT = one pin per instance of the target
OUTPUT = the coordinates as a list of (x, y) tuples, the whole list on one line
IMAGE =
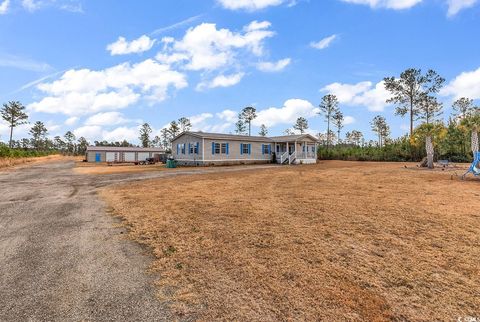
[(122, 154)]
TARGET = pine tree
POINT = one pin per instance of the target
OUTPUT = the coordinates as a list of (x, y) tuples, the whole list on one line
[(13, 113)]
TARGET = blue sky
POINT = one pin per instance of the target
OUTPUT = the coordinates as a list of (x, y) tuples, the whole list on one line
[(101, 68)]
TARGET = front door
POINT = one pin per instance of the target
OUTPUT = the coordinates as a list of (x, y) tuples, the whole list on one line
[(291, 148)]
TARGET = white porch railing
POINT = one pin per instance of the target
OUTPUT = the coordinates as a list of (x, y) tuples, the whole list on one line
[(284, 157), (292, 157), (306, 155)]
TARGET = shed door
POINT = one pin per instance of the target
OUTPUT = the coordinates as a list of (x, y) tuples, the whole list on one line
[(98, 157), (129, 157), (111, 156), (142, 156)]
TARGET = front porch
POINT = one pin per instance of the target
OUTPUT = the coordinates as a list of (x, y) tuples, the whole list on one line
[(296, 152)]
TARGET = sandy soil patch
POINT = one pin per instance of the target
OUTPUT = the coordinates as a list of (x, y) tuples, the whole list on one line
[(334, 241), (11, 162)]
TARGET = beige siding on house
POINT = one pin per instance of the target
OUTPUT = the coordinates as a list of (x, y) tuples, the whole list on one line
[(234, 153), (189, 157)]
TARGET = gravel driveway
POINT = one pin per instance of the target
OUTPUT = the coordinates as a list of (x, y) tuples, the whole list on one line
[(62, 258)]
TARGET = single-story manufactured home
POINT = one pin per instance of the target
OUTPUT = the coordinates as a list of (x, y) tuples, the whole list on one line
[(199, 148), (121, 154)]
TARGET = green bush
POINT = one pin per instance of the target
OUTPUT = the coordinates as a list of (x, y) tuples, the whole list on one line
[(6, 152), (399, 150)]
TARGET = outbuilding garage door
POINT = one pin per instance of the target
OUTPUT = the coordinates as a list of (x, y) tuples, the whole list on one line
[(142, 156), (129, 157), (111, 156)]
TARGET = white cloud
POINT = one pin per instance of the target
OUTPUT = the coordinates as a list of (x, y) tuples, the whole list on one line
[(249, 5), (107, 118), (122, 133), (31, 5), (4, 6), (228, 116), (205, 47), (363, 93), (467, 84), (324, 43), (389, 4), (198, 121), (221, 81), (84, 91), (455, 6), (67, 5), (97, 133), (274, 66), (291, 110), (349, 120), (123, 47), (71, 120)]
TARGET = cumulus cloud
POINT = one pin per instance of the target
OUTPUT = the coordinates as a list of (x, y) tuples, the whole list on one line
[(97, 133), (363, 94), (4, 6), (349, 120), (274, 66), (71, 120), (249, 5), (221, 81), (324, 43), (208, 49), (107, 118), (455, 6), (287, 114), (123, 47), (84, 91), (205, 47), (389, 4), (467, 84), (228, 116)]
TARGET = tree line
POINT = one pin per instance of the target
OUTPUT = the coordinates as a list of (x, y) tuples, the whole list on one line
[(13, 113), (414, 95)]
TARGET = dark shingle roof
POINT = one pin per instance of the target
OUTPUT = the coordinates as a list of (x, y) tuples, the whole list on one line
[(222, 136)]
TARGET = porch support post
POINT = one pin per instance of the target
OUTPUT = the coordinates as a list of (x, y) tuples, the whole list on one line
[(288, 152)]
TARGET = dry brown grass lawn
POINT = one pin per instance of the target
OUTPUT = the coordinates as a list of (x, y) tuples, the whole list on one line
[(11, 162), (103, 168), (334, 241)]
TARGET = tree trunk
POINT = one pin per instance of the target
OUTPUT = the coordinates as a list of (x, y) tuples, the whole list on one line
[(11, 135), (328, 132), (411, 120), (474, 141), (430, 151)]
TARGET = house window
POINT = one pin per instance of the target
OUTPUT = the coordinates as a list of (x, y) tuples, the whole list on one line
[(266, 149), (245, 148), (193, 148), (183, 148), (224, 148), (217, 148)]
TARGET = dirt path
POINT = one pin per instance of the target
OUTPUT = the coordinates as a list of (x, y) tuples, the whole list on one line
[(62, 257)]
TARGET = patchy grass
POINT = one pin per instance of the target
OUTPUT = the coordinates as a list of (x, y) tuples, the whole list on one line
[(334, 241), (11, 162)]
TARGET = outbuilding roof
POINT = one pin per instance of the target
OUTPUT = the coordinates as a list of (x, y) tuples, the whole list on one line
[(124, 149)]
